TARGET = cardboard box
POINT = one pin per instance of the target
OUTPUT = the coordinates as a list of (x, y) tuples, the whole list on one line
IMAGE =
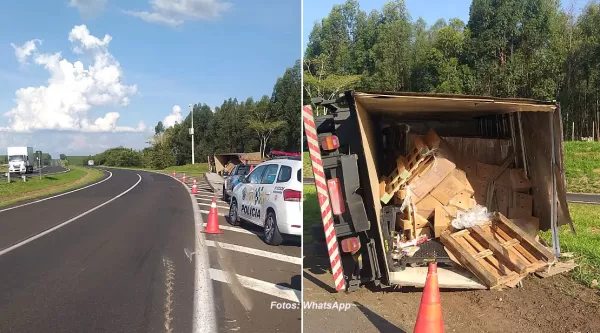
[(424, 231), (529, 224), (447, 189), (487, 171), (432, 139), (428, 180), (518, 181), (503, 199), (522, 202), (441, 221), (462, 201), (427, 206), (480, 190), (420, 221)]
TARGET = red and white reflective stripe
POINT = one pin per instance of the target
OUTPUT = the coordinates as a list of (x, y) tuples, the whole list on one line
[(323, 195)]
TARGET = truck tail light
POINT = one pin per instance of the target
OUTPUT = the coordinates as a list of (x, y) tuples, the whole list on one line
[(335, 195), (330, 142), (350, 245), (292, 195)]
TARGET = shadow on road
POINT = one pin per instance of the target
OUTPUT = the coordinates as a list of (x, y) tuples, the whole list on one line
[(379, 322), (295, 283), (317, 266), (288, 240)]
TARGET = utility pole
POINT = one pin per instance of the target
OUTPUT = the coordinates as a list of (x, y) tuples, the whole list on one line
[(192, 131)]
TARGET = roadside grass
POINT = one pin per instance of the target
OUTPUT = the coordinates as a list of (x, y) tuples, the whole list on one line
[(77, 160), (307, 171), (18, 190), (582, 166), (585, 245), (312, 213)]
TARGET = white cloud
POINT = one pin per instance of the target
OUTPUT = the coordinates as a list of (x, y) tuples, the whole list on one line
[(174, 117), (73, 89), (176, 12), (24, 51), (88, 7)]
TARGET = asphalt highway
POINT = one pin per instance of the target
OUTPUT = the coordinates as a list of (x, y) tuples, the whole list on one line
[(108, 258)]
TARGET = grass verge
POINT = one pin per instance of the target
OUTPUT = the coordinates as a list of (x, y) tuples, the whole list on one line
[(582, 165), (18, 190), (585, 245), (307, 171), (312, 213)]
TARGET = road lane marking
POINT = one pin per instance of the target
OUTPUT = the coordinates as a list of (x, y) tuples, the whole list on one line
[(32, 238), (59, 195), (218, 200), (205, 318), (256, 252), (292, 295), (240, 230), (208, 204), (207, 212)]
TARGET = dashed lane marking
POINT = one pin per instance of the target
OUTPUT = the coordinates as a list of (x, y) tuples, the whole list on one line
[(256, 252), (290, 294)]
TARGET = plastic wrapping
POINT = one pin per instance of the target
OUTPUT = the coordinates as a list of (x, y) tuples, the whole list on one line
[(476, 216)]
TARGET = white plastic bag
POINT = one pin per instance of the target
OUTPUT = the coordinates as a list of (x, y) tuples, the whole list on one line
[(476, 216)]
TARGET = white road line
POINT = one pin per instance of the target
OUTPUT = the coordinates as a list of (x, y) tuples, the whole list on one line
[(218, 213), (60, 195), (240, 230), (205, 319), (256, 252), (31, 239), (264, 287), (207, 195), (208, 204), (218, 200)]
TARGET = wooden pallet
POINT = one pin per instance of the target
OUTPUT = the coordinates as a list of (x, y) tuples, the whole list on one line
[(497, 252)]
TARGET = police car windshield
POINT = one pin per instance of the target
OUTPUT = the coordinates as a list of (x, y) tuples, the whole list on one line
[(243, 170)]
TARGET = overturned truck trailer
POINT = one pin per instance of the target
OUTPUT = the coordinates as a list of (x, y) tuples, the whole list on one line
[(354, 146), (223, 163)]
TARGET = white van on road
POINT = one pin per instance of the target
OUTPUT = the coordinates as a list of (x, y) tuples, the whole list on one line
[(271, 197)]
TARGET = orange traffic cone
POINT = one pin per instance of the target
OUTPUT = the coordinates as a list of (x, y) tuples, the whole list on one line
[(212, 225), (429, 318), (174, 174), (183, 179), (194, 189), (194, 181)]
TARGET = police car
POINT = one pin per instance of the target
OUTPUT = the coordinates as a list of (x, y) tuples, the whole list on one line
[(271, 197)]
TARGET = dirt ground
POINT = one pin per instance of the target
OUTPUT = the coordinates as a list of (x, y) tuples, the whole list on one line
[(555, 304)]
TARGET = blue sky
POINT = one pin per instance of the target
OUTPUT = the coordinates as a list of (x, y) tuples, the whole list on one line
[(158, 55), (429, 10)]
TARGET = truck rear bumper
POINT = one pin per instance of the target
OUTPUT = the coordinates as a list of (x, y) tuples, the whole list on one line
[(448, 278)]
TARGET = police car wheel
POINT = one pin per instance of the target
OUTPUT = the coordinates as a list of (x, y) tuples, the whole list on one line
[(234, 218), (272, 235)]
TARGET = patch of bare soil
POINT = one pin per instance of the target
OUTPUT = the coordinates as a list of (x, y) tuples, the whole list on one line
[(555, 304)]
